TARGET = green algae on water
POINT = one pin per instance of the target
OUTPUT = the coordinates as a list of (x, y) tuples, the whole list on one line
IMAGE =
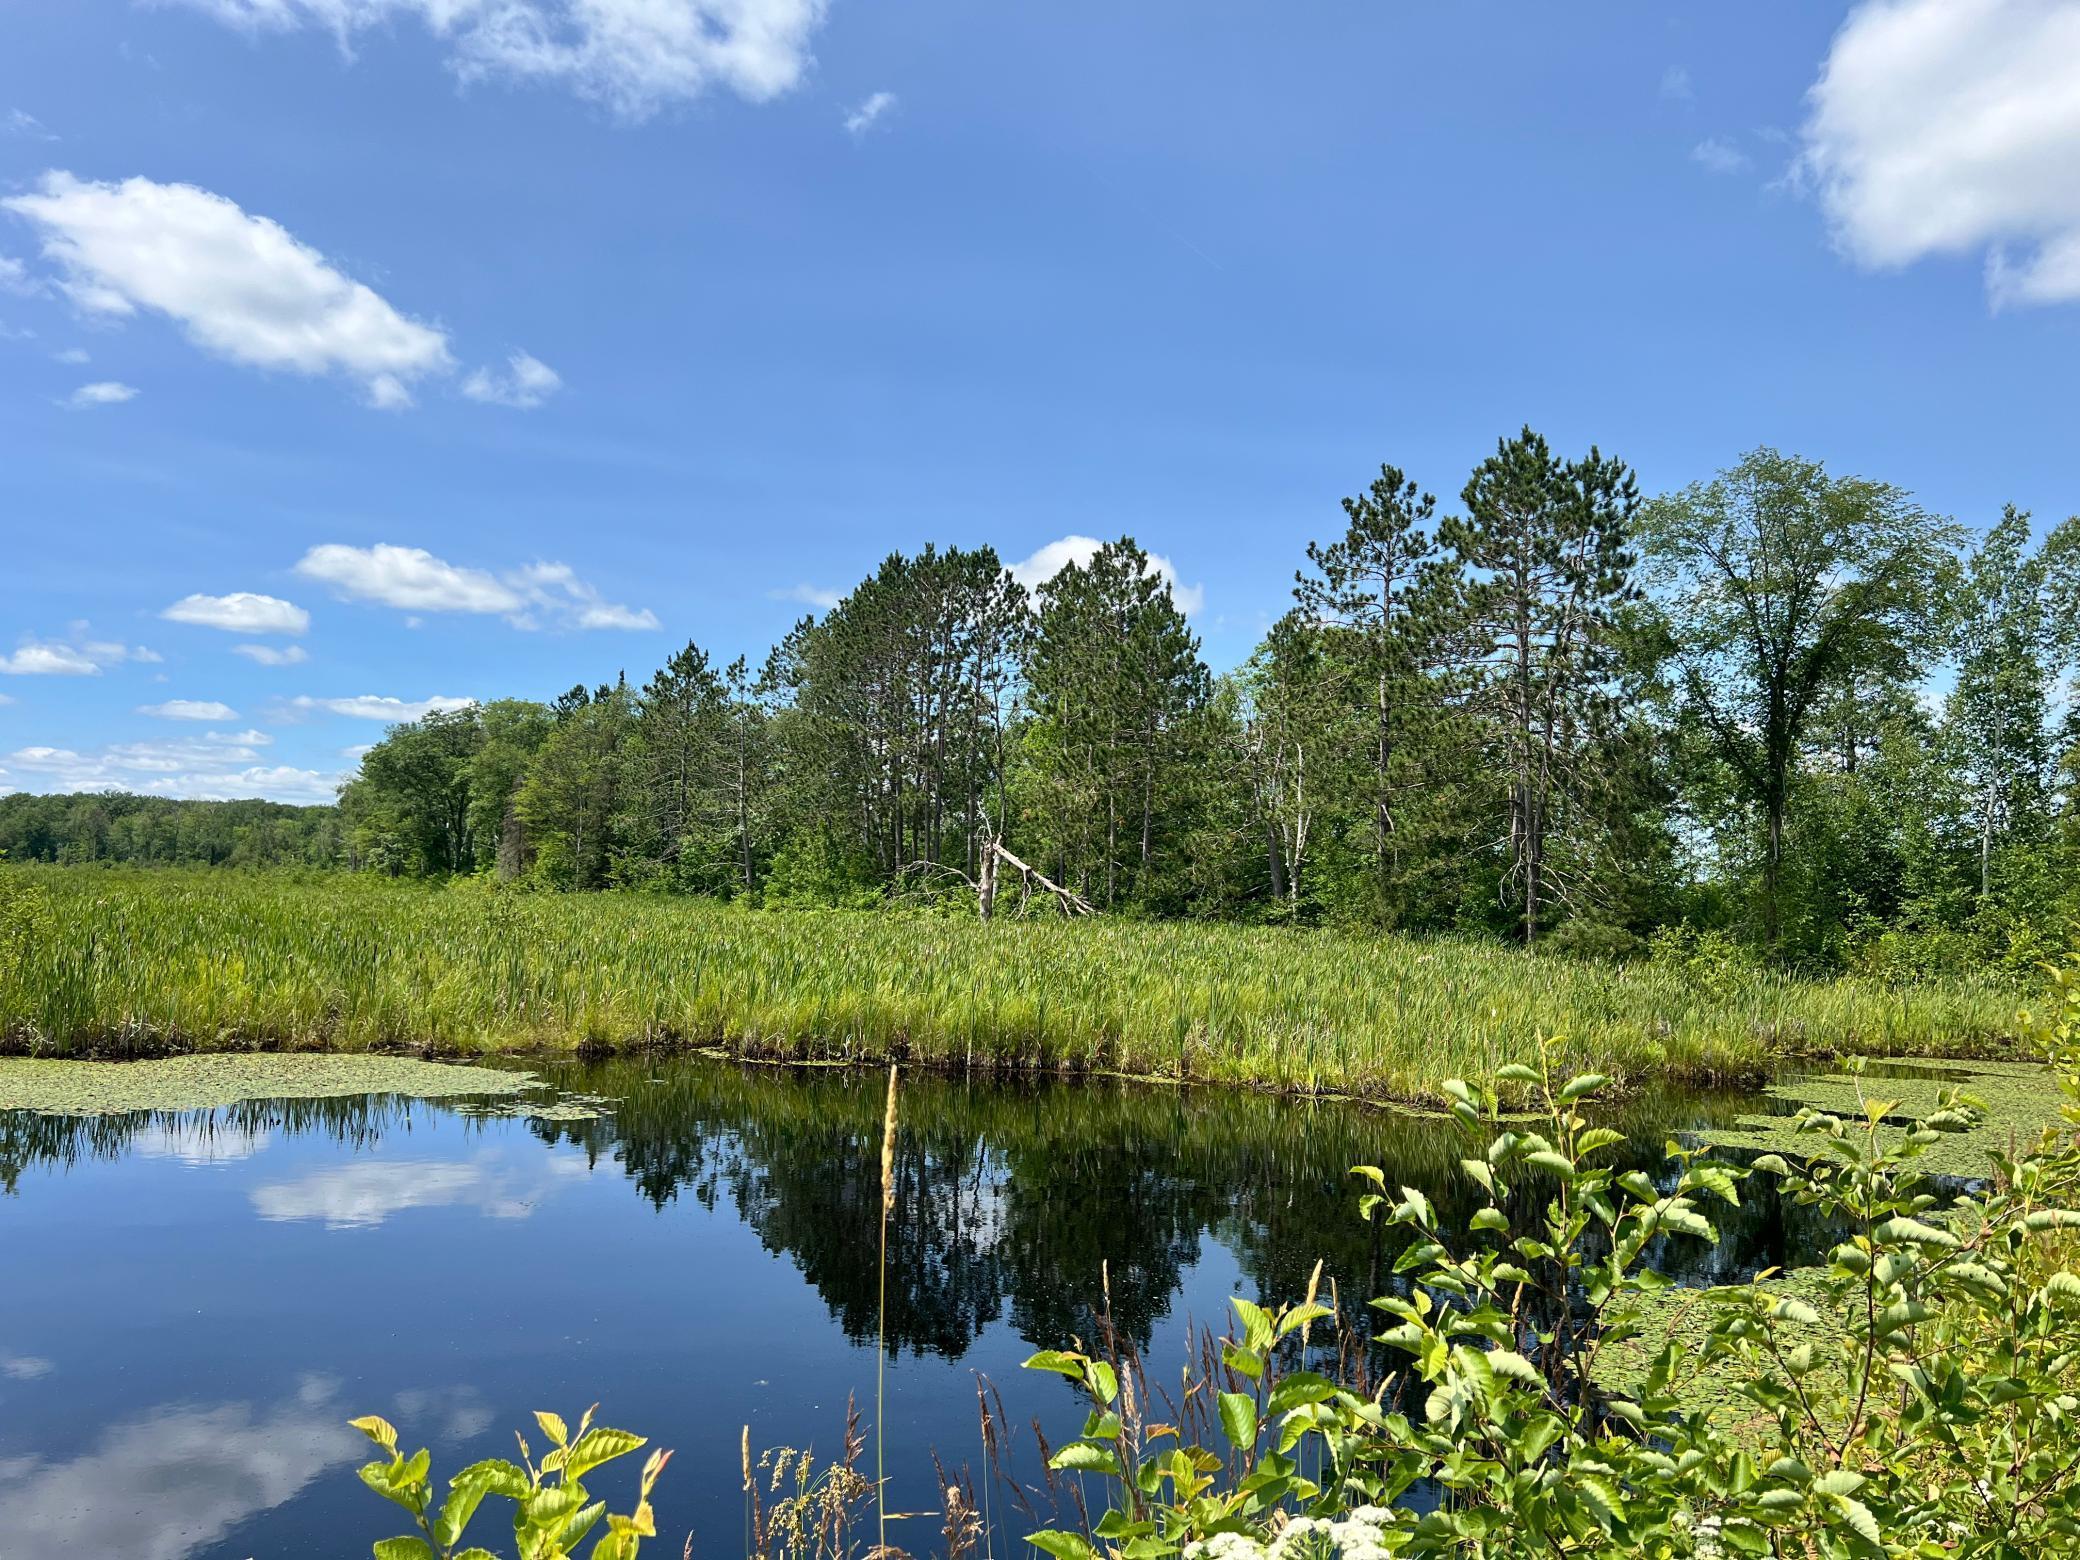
[(2022, 1099), (67, 1088)]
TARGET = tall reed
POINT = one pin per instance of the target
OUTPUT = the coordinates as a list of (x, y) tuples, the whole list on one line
[(171, 960), (888, 1203)]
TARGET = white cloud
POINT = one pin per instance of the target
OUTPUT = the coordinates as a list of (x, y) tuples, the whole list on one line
[(240, 612), (414, 580), (820, 597), (367, 1192), (1057, 555), (74, 356), (75, 657), (208, 1470), (376, 706), (635, 56), (357, 752), (1675, 85), (189, 709), (240, 285), (104, 392), (526, 383), (15, 278), (220, 766), (1944, 127), (861, 119), (1718, 154), (48, 660), (26, 125), (6, 698), (270, 655)]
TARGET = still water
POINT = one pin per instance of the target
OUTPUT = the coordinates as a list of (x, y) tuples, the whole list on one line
[(193, 1304)]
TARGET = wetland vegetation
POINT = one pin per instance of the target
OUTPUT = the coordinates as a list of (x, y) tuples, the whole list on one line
[(115, 963)]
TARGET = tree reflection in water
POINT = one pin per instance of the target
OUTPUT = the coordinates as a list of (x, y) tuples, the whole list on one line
[(1012, 1199)]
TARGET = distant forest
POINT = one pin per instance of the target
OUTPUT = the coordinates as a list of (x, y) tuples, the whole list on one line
[(159, 831), (1780, 707)]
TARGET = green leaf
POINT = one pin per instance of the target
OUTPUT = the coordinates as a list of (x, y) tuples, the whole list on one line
[(1301, 1387), (552, 1426), (1488, 1219), (378, 1430), (1059, 1361), (1086, 1457), (1063, 1546), (598, 1446), (405, 1548), (1516, 1072), (1586, 1084), (1859, 1517), (387, 1480), (1508, 1362), (1239, 1419)]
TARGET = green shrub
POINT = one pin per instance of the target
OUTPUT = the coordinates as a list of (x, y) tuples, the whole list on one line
[(552, 1513), (1918, 1396)]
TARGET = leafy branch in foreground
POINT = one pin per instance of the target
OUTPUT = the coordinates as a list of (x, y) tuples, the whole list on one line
[(552, 1513), (1924, 1401)]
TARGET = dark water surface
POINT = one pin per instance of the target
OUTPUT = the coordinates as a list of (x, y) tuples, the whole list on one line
[(191, 1305)]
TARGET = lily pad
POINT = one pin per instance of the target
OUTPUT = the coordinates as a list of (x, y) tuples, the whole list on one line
[(67, 1088)]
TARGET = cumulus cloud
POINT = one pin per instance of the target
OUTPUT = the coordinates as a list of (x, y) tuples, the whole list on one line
[(414, 580), (376, 706), (635, 56), (240, 612), (75, 657), (240, 285), (526, 383), (272, 655), (368, 1192), (208, 1468), (103, 392), (1718, 154), (821, 597), (15, 277), (189, 709), (1057, 555), (72, 356), (216, 766), (861, 119), (1946, 127)]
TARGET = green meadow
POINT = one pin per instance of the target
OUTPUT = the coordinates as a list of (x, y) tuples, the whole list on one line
[(116, 963)]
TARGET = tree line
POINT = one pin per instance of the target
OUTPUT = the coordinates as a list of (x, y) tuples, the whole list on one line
[(1778, 705), (161, 831)]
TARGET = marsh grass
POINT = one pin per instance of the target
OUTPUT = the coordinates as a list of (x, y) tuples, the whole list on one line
[(133, 963)]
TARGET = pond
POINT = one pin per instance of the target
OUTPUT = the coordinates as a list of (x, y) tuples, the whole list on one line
[(193, 1303)]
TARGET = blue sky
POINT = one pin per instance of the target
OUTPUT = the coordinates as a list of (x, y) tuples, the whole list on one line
[(501, 344)]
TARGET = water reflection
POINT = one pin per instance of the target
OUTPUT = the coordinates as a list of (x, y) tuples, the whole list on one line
[(166, 1482), (1015, 1204), (365, 1192), (703, 1257)]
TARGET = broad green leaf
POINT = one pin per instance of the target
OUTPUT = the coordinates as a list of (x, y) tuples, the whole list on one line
[(1239, 1419), (1063, 1546)]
